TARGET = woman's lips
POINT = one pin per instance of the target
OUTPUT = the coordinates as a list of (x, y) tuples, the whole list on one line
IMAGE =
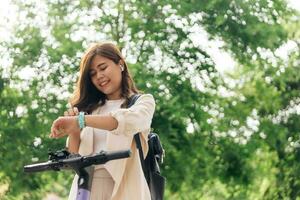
[(103, 84)]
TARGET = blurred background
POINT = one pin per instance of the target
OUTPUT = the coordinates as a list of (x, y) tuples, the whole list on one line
[(225, 76)]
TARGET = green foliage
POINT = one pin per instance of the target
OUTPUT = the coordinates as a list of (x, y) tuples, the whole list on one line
[(227, 136)]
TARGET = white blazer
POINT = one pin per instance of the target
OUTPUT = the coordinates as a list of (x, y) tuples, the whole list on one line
[(127, 174)]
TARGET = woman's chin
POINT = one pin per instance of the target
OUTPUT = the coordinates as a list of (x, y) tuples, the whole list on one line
[(106, 92), (103, 90)]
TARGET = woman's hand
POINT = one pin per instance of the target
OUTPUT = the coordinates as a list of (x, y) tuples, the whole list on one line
[(71, 112), (66, 125)]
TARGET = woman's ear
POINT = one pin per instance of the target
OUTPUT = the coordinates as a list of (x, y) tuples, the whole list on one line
[(121, 62), (122, 67)]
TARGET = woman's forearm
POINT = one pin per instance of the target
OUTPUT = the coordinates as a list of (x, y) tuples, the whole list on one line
[(95, 121), (102, 122), (73, 143)]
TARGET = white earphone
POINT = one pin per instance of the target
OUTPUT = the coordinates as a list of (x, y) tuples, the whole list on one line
[(122, 68)]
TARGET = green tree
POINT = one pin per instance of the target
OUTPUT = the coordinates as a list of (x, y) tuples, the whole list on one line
[(226, 136)]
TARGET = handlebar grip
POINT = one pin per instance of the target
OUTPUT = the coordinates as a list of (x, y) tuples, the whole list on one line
[(118, 154), (39, 167)]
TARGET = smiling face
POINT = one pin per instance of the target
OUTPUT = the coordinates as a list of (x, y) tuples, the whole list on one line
[(106, 76), (101, 78)]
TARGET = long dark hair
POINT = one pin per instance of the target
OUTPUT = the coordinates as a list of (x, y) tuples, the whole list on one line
[(86, 96)]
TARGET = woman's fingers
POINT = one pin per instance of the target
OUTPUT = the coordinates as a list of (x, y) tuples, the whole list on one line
[(52, 134), (75, 109), (71, 112), (55, 127), (57, 133), (61, 133), (63, 126), (58, 128)]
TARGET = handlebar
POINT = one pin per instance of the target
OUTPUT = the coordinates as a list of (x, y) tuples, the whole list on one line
[(76, 161)]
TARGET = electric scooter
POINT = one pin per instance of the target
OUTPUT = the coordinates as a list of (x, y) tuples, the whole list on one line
[(82, 165)]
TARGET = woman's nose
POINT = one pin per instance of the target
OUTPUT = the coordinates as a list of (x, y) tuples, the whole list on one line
[(99, 75)]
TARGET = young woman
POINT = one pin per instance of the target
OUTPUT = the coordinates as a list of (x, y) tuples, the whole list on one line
[(103, 90)]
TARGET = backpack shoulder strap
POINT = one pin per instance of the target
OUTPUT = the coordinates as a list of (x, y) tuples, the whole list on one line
[(133, 99), (137, 139), (139, 146)]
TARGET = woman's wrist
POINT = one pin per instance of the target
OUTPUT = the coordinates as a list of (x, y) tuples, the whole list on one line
[(81, 120)]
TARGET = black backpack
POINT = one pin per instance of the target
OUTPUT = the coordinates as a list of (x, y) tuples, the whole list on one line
[(150, 164)]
